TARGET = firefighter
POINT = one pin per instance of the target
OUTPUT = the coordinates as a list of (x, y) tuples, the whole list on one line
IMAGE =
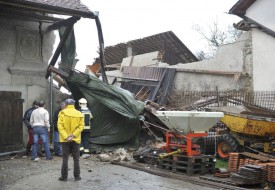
[(85, 135)]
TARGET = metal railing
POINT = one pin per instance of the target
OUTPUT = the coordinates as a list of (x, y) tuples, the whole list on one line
[(199, 100)]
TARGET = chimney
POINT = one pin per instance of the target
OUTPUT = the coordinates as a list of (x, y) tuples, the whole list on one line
[(130, 50)]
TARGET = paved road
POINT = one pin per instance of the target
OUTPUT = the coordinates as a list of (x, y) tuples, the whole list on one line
[(96, 175)]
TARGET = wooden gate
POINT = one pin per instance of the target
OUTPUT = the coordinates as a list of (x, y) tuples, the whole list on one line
[(11, 127)]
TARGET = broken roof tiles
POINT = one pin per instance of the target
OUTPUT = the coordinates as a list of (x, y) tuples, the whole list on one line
[(174, 51)]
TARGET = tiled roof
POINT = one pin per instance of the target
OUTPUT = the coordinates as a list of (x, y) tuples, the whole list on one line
[(159, 42), (66, 7)]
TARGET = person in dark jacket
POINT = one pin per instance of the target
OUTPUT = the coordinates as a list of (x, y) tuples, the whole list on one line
[(26, 120), (57, 145), (85, 135)]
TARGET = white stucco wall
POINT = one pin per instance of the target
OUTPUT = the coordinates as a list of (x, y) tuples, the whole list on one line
[(263, 61), (229, 58), (262, 12), (22, 66), (206, 82)]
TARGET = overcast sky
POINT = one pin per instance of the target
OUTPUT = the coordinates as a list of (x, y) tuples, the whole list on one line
[(125, 20)]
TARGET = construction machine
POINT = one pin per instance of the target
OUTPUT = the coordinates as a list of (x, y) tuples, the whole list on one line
[(184, 128), (245, 130)]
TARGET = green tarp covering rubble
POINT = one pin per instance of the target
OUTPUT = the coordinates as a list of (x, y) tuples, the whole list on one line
[(68, 52), (115, 110)]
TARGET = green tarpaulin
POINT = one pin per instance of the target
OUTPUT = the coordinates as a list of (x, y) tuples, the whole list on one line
[(115, 111), (68, 51)]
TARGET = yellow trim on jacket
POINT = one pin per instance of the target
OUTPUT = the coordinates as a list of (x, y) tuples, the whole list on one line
[(70, 121)]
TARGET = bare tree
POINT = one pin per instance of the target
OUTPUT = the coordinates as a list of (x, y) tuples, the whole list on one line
[(215, 37)]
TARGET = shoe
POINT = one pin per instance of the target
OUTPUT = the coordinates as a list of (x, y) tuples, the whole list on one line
[(84, 156), (50, 158), (28, 149), (62, 179), (35, 159), (77, 178)]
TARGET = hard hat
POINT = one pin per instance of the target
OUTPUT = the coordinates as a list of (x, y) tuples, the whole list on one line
[(82, 101)]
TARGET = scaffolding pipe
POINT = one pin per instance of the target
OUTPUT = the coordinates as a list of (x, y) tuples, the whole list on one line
[(51, 105)]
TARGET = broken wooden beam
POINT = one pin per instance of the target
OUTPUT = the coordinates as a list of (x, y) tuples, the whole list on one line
[(57, 52)]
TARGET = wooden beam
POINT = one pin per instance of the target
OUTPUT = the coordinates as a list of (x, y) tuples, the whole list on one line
[(61, 23), (58, 72), (207, 71), (158, 86), (61, 43), (34, 18)]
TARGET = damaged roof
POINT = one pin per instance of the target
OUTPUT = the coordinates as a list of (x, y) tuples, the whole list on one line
[(167, 42), (63, 7)]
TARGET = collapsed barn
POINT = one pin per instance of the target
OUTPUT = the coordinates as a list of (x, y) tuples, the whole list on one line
[(131, 83)]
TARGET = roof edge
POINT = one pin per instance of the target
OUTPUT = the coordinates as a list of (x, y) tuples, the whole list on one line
[(240, 7), (49, 8)]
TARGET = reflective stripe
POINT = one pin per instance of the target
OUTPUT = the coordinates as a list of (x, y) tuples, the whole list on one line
[(87, 127), (86, 150), (81, 148), (87, 117)]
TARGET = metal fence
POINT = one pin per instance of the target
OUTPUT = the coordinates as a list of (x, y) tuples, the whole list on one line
[(189, 100)]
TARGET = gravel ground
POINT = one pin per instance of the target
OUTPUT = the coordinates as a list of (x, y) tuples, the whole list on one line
[(13, 169), (21, 173)]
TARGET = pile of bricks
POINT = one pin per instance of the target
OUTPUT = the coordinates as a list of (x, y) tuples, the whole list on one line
[(271, 172), (239, 164), (233, 162)]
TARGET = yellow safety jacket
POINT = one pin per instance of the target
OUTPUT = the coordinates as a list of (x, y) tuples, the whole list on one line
[(70, 121)]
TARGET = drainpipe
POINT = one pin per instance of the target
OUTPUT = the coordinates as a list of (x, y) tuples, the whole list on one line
[(51, 105), (12, 153)]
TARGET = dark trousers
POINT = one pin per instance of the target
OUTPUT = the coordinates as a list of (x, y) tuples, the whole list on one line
[(67, 148), (84, 145), (30, 142)]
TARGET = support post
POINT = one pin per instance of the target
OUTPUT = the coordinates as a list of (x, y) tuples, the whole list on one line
[(101, 50), (51, 105)]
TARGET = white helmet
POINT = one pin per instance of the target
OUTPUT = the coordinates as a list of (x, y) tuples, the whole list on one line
[(82, 101)]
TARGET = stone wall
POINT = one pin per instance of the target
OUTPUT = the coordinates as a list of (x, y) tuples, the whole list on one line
[(25, 50)]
